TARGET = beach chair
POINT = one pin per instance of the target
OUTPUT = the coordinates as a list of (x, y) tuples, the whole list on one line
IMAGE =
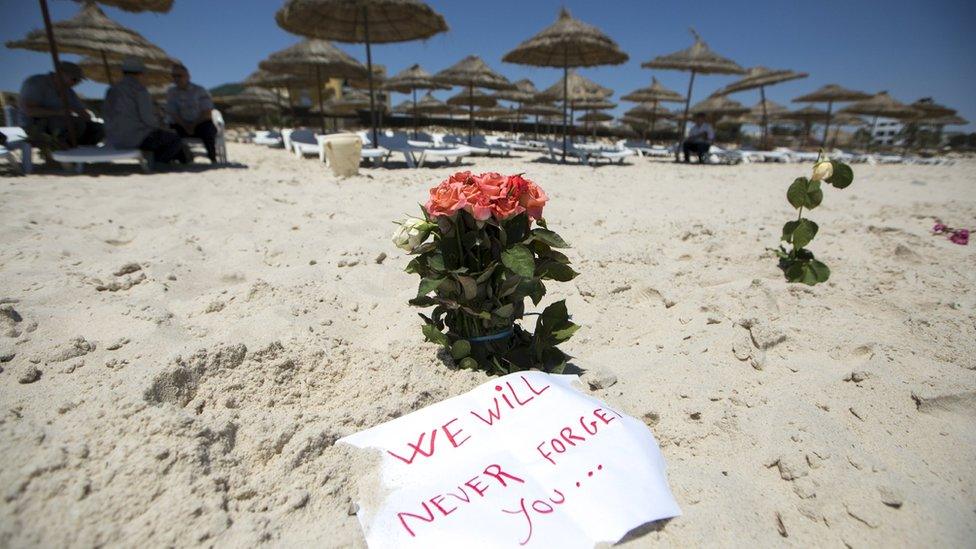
[(377, 156), (267, 138), (220, 141), (305, 142), (79, 157), (556, 152), (416, 156), (17, 141), (286, 138)]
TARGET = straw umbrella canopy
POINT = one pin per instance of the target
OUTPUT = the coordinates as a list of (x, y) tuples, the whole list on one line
[(567, 43), (429, 104), (649, 113), (807, 116), (476, 98), (578, 93), (928, 108), (92, 33), (719, 105), (161, 6), (410, 80), (830, 94), (698, 59), (653, 94), (881, 105), (156, 73), (760, 77), (471, 72), (249, 96), (362, 21), (313, 59), (595, 116)]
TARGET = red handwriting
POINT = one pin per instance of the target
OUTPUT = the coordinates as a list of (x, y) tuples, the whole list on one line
[(539, 506), (567, 438), (507, 398), (417, 448), (445, 506)]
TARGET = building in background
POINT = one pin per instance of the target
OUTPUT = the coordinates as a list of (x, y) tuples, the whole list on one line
[(886, 132)]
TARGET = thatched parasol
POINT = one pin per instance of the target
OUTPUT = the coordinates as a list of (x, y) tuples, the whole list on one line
[(649, 113), (471, 72), (719, 105), (156, 74), (429, 104), (699, 58), (362, 21), (830, 94), (567, 43), (760, 77), (92, 33), (806, 116), (476, 98), (926, 107), (595, 116), (314, 59), (161, 6), (881, 105), (249, 96), (410, 80), (653, 94)]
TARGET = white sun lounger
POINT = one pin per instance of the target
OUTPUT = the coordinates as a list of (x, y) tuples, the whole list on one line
[(80, 156), (17, 141), (267, 138), (220, 143)]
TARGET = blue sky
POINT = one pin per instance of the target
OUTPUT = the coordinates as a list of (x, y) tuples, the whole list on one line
[(912, 49)]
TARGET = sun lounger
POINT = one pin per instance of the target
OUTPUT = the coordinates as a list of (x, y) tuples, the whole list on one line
[(80, 156), (376, 155), (305, 143), (17, 141), (268, 138), (416, 156)]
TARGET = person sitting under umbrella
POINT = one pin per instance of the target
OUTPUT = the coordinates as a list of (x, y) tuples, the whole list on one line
[(188, 106), (699, 140), (42, 106), (131, 122)]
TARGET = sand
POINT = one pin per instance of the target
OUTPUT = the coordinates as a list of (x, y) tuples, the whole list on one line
[(181, 351)]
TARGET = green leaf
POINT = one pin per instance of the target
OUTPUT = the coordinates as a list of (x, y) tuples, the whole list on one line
[(468, 363), (469, 287), (509, 285), (549, 237), (804, 232), (794, 273), (460, 349), (788, 229), (797, 193), (422, 301), (432, 334), (415, 265), (553, 270), (565, 332), (436, 262), (505, 311), (428, 285), (804, 193), (516, 228), (519, 259), (842, 177), (820, 271)]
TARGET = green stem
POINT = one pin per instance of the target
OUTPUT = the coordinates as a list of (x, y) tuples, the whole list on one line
[(799, 217)]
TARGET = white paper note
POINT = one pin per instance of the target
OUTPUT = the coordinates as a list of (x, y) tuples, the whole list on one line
[(523, 460)]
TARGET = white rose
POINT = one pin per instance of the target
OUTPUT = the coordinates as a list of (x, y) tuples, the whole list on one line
[(822, 170), (411, 233)]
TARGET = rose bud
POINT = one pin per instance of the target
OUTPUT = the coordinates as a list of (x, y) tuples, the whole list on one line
[(822, 170), (411, 233)]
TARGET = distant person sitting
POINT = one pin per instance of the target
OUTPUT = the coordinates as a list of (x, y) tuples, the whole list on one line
[(130, 118), (699, 140), (41, 104), (188, 106)]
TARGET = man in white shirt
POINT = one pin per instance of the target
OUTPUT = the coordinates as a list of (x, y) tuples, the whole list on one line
[(188, 106), (699, 140), (130, 118)]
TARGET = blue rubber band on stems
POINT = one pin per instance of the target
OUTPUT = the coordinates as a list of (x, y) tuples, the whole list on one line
[(493, 337)]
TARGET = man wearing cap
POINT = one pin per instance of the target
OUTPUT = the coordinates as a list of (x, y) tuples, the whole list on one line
[(130, 118), (700, 138), (188, 106), (41, 104)]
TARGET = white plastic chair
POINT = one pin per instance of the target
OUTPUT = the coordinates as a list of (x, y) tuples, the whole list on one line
[(17, 141), (80, 156), (220, 142)]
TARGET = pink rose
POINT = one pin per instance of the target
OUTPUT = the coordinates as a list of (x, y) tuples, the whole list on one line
[(476, 202), (506, 206), (491, 184), (533, 198), (446, 199), (960, 236)]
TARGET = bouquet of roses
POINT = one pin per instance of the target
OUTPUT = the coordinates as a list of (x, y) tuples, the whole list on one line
[(479, 257)]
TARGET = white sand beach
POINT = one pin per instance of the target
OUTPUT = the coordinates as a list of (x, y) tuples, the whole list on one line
[(182, 350)]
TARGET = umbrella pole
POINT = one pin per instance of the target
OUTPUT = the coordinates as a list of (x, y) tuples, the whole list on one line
[(58, 77), (765, 129), (874, 127), (318, 91), (565, 101), (830, 105), (108, 71), (535, 131), (684, 120), (470, 112), (415, 113), (369, 77)]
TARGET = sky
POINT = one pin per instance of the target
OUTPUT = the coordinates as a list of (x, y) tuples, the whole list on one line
[(910, 48)]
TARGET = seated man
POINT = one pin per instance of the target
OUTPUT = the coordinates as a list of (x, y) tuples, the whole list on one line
[(699, 140), (130, 118), (188, 106), (41, 103)]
